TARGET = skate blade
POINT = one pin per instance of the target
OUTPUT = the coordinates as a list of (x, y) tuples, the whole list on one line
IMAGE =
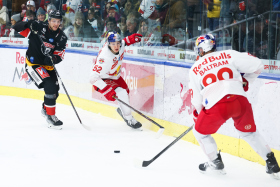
[(218, 172), (50, 126), (138, 129), (275, 176)]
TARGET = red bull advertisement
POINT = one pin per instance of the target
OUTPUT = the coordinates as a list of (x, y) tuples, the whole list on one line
[(140, 80)]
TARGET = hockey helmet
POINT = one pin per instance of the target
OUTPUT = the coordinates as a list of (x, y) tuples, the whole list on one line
[(55, 14), (113, 37), (204, 44)]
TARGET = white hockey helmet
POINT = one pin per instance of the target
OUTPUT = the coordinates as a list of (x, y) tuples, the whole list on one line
[(204, 44)]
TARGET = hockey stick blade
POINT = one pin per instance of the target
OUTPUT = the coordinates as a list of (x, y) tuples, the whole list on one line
[(86, 127), (146, 163), (141, 163), (160, 132)]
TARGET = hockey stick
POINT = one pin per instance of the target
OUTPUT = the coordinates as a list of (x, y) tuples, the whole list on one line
[(161, 128), (86, 127), (142, 163)]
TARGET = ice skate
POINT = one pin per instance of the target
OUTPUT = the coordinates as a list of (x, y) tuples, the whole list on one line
[(54, 122), (217, 165), (131, 123), (272, 166)]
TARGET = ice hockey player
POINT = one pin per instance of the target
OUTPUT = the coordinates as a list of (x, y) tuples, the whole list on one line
[(105, 76), (219, 94), (41, 54)]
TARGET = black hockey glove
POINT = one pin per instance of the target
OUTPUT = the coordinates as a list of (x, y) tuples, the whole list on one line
[(34, 26), (48, 61)]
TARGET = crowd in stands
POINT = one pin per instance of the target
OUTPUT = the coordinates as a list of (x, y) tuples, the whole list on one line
[(161, 22)]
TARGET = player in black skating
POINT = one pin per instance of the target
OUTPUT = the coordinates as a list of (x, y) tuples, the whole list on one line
[(47, 45)]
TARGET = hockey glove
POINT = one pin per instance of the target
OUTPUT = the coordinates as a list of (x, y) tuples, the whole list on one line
[(34, 26), (245, 84), (48, 61), (132, 39), (108, 93), (195, 115)]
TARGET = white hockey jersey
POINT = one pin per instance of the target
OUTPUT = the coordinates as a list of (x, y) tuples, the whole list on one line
[(72, 6), (107, 66), (217, 74), (146, 8)]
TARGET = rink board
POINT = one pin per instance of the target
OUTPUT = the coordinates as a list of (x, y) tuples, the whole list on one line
[(159, 91)]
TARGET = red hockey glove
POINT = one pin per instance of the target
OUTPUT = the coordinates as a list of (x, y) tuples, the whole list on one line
[(195, 115), (108, 92), (167, 38), (245, 84), (132, 39)]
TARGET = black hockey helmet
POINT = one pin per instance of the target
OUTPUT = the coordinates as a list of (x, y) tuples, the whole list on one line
[(55, 14)]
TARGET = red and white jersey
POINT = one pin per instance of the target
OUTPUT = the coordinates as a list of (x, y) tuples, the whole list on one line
[(217, 74), (107, 66), (147, 7)]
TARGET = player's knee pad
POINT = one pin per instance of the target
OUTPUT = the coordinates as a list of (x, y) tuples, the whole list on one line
[(122, 94)]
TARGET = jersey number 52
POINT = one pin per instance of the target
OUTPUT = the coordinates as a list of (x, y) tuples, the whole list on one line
[(214, 77), (97, 68)]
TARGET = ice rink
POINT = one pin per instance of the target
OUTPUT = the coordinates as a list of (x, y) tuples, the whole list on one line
[(31, 155)]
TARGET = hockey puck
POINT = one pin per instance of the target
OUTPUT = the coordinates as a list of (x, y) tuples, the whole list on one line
[(116, 151)]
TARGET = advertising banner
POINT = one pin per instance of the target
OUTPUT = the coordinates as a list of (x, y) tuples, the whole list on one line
[(140, 80)]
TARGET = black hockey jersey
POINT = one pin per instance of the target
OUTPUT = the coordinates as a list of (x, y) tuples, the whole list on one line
[(54, 42)]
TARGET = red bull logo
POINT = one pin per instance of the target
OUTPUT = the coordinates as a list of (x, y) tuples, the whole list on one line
[(199, 40), (186, 101), (26, 78)]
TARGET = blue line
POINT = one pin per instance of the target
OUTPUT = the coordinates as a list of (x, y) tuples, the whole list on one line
[(147, 60)]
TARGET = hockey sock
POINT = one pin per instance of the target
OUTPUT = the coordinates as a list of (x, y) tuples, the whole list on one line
[(256, 141), (208, 144), (122, 95), (50, 110)]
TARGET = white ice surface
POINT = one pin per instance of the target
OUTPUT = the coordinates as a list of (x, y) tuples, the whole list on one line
[(31, 155)]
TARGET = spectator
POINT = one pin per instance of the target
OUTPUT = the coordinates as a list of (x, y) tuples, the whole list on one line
[(95, 21), (85, 7), (131, 25), (111, 25), (4, 17), (44, 4), (49, 8), (161, 8), (30, 15), (78, 25), (238, 9), (71, 8), (258, 40), (213, 13), (143, 28), (105, 13), (65, 23), (41, 14), (123, 27), (95, 4), (14, 19), (113, 12), (30, 5), (127, 8)]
